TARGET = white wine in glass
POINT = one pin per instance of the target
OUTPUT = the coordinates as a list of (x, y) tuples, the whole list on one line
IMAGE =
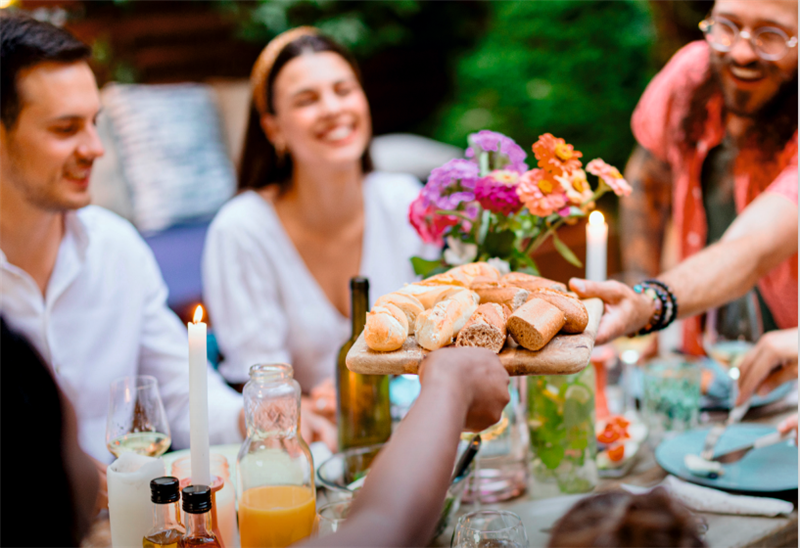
[(731, 331), (137, 422)]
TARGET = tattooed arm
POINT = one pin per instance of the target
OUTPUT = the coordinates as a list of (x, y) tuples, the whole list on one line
[(644, 214)]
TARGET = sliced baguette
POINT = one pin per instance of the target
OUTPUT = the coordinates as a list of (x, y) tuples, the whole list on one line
[(409, 304), (536, 322), (575, 313), (530, 282), (386, 328), (438, 326), (513, 297), (486, 328)]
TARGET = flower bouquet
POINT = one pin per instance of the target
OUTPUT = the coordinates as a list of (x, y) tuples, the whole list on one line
[(491, 207)]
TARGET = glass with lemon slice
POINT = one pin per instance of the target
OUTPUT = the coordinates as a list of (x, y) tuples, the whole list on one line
[(562, 440)]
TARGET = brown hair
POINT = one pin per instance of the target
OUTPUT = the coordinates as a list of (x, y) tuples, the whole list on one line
[(260, 164), (620, 519)]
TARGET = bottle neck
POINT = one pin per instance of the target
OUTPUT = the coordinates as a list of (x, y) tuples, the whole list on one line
[(167, 516), (199, 525), (359, 303)]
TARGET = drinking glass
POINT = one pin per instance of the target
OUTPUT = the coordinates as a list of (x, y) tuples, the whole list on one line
[(671, 397), (731, 331), (331, 517), (489, 529), (136, 421)]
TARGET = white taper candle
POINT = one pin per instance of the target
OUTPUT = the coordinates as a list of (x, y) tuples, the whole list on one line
[(596, 247), (198, 401)]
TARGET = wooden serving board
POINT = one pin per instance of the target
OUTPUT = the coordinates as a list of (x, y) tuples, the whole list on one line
[(563, 355)]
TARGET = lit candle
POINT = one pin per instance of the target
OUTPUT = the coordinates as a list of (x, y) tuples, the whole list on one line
[(596, 247), (198, 401), (130, 511)]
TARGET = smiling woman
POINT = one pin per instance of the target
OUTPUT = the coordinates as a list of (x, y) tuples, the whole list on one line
[(311, 214)]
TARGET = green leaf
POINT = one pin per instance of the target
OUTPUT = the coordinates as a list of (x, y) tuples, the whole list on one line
[(566, 252), (424, 267), (551, 456), (499, 244)]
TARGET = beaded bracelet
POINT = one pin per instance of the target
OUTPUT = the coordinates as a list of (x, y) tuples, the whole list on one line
[(672, 297), (658, 313)]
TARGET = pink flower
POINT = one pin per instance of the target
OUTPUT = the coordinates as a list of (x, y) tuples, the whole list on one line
[(576, 187), (540, 195), (429, 225), (610, 176), (497, 192)]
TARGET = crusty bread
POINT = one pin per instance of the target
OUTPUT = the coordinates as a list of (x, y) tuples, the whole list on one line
[(386, 328), (502, 294), (447, 278), (427, 295), (536, 322), (577, 318), (530, 282), (438, 326), (474, 270), (486, 328), (409, 304)]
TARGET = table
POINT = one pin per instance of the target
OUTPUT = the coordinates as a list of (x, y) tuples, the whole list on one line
[(724, 531)]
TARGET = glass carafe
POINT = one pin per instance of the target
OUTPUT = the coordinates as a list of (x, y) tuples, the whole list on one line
[(275, 473)]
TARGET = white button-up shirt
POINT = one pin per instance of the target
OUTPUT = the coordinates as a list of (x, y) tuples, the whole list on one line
[(104, 316)]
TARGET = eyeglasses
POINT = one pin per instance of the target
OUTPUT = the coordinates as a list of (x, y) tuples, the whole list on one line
[(769, 43)]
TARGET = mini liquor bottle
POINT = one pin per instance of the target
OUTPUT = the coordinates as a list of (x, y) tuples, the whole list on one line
[(167, 529), (197, 507)]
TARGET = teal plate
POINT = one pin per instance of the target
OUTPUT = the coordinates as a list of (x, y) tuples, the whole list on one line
[(766, 470)]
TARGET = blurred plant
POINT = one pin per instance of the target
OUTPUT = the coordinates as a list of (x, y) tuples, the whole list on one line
[(364, 27), (576, 69)]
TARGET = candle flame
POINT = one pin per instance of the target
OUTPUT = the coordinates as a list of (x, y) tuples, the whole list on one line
[(596, 218), (198, 314)]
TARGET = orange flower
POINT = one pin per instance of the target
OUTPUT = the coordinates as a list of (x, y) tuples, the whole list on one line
[(556, 156)]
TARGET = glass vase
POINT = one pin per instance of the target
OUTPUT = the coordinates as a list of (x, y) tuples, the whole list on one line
[(561, 418)]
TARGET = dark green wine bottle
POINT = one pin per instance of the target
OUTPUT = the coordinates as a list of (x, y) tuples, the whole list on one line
[(363, 408)]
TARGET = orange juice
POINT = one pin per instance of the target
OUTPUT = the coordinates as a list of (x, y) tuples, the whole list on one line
[(276, 515)]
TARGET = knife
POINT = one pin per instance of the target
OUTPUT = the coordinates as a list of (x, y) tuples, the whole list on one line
[(466, 458), (717, 430), (736, 455)]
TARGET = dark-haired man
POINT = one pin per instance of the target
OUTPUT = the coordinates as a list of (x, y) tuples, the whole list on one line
[(77, 281), (716, 128)]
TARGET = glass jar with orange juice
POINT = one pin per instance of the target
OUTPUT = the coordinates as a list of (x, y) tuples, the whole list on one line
[(275, 473)]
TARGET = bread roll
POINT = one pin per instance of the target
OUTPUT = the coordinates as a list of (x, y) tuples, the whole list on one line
[(438, 326), (409, 304), (447, 278), (386, 328), (508, 295), (577, 318), (531, 283), (427, 295), (536, 322), (486, 328), (474, 270)]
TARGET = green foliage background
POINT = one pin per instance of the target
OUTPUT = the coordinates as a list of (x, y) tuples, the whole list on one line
[(572, 68)]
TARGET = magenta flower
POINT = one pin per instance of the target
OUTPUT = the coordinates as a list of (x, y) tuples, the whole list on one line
[(451, 184), (429, 225), (497, 192), (512, 157), (610, 176)]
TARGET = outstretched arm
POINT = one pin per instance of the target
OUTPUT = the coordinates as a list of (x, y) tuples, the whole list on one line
[(761, 237), (400, 503)]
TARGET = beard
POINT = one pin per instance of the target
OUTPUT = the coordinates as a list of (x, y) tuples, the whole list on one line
[(746, 103)]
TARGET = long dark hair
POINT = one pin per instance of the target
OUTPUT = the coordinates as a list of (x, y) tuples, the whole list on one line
[(260, 164)]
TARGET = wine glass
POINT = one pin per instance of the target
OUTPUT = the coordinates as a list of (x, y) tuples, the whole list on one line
[(731, 331), (137, 421), (489, 529)]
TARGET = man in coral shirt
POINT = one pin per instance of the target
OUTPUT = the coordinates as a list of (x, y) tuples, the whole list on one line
[(716, 128)]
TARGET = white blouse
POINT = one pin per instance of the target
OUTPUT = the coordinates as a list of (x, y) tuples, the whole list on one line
[(264, 303)]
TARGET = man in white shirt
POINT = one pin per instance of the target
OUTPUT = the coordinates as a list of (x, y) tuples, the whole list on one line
[(78, 281)]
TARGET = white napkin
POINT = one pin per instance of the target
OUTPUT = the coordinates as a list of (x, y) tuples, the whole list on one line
[(706, 499)]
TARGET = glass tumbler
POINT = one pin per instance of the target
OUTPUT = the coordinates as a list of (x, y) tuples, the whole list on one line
[(671, 402), (489, 529), (331, 517)]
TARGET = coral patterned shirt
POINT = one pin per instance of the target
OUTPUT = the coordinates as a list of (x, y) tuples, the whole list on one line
[(656, 124)]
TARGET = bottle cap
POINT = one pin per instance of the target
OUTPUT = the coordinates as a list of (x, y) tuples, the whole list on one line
[(196, 499), (165, 490), (359, 282)]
